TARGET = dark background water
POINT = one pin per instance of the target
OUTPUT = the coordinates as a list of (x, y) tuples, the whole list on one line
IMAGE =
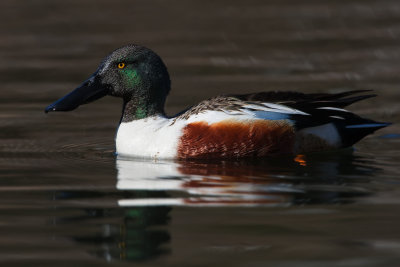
[(67, 200)]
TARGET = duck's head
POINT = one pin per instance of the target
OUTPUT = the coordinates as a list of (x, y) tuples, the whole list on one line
[(134, 73)]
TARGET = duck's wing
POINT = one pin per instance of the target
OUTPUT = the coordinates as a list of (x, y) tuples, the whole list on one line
[(253, 105), (302, 110), (302, 100), (321, 108)]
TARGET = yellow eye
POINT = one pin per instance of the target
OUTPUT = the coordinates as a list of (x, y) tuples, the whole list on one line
[(121, 65)]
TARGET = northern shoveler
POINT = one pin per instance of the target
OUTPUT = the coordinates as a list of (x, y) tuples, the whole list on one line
[(228, 126)]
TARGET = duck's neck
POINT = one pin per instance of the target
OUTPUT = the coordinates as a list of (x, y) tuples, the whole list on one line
[(137, 109)]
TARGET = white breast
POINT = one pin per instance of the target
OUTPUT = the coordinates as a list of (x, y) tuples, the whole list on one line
[(152, 137)]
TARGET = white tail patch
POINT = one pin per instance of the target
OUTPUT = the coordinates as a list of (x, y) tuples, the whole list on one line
[(326, 132)]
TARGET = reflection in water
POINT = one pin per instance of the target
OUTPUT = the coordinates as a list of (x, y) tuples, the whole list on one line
[(316, 178), (147, 190), (134, 234), (133, 238)]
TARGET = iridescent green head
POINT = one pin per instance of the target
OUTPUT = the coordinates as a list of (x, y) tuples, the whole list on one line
[(134, 73)]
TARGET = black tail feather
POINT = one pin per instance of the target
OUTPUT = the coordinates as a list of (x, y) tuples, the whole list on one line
[(344, 102), (352, 133), (338, 95)]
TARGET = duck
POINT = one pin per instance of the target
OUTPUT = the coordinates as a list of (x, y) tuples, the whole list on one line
[(226, 126)]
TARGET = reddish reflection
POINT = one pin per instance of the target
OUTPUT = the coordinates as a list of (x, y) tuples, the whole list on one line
[(268, 181)]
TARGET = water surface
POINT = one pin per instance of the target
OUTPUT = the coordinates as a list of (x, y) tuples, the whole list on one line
[(66, 199)]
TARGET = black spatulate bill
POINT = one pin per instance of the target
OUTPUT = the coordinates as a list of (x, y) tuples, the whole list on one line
[(91, 90)]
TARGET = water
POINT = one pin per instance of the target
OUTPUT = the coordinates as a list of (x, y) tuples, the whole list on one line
[(67, 200)]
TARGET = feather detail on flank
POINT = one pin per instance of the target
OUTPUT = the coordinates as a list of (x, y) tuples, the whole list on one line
[(232, 138)]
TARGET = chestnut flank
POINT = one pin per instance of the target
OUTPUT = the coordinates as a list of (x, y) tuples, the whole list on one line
[(233, 139)]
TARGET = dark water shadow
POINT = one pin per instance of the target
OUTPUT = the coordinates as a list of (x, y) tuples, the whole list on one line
[(133, 225)]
